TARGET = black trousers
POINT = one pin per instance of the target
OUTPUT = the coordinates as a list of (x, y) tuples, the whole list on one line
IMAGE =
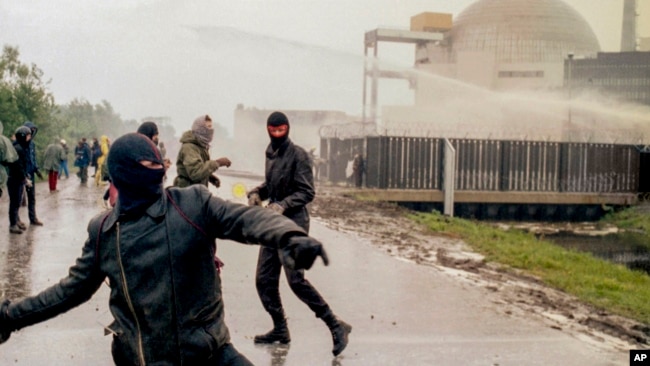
[(267, 281), (15, 188), (83, 173)]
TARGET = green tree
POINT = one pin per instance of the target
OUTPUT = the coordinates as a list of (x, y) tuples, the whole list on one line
[(82, 119), (24, 96)]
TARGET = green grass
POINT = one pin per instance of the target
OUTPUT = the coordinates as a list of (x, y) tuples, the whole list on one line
[(635, 218), (595, 281)]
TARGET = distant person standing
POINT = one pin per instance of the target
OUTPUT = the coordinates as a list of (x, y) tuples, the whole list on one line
[(95, 153), (82, 159), (163, 149), (52, 163), (8, 155), (104, 146), (289, 187), (193, 164), (32, 169), (358, 169), (18, 178), (150, 129), (64, 162)]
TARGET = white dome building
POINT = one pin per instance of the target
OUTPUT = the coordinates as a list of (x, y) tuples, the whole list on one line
[(506, 44), (516, 31), (498, 73)]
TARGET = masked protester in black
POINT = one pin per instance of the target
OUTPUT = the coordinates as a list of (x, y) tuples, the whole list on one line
[(32, 169), (289, 187), (157, 249), (18, 178)]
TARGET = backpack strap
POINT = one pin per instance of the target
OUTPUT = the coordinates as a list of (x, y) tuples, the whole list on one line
[(180, 212), (217, 262)]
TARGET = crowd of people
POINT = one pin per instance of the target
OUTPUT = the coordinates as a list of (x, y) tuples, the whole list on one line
[(164, 270)]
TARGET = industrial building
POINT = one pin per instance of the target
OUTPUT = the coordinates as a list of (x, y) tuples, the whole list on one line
[(498, 124), (624, 76), (500, 69)]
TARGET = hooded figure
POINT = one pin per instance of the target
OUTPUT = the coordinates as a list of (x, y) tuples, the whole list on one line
[(277, 126), (18, 178), (32, 169), (289, 187), (32, 164), (8, 155), (149, 129), (104, 147), (203, 131), (156, 252), (193, 164), (64, 161), (138, 186), (52, 158)]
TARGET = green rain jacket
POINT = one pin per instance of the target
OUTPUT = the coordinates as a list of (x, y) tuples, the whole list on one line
[(193, 164), (8, 155)]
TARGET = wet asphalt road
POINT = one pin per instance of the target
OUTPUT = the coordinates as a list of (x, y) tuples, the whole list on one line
[(401, 313)]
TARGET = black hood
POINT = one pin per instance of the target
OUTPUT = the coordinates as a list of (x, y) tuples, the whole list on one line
[(32, 127), (138, 186)]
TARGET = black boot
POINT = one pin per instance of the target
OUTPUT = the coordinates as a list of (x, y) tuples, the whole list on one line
[(279, 333), (340, 331)]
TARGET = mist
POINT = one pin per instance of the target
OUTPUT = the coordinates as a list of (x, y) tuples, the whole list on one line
[(180, 60), (463, 110)]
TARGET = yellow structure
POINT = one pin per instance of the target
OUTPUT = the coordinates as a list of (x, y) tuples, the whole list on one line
[(431, 22)]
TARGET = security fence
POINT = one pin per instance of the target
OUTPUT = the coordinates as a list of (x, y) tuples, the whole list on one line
[(489, 165)]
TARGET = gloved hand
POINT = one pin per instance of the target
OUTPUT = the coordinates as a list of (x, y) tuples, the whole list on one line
[(254, 199), (38, 173), (224, 162), (302, 251), (276, 207), (215, 181), (5, 328)]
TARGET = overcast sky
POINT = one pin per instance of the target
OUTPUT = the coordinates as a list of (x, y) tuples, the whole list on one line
[(181, 59)]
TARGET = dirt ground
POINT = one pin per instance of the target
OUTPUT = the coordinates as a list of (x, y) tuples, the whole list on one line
[(385, 226)]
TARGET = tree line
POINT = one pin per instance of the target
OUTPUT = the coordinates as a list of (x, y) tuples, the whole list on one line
[(24, 96)]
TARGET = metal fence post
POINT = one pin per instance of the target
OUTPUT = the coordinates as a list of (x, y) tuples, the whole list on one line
[(449, 178)]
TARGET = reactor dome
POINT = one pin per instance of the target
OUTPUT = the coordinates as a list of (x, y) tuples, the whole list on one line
[(520, 31)]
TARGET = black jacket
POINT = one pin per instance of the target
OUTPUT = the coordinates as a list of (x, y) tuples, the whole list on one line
[(165, 290), (289, 181), (18, 169)]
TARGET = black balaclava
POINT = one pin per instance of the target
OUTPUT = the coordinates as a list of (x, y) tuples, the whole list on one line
[(138, 186), (149, 129), (277, 119), (21, 135)]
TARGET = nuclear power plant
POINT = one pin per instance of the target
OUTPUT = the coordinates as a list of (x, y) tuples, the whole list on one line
[(517, 113), (509, 69)]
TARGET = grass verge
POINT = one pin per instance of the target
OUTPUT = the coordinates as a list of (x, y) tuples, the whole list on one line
[(608, 286)]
